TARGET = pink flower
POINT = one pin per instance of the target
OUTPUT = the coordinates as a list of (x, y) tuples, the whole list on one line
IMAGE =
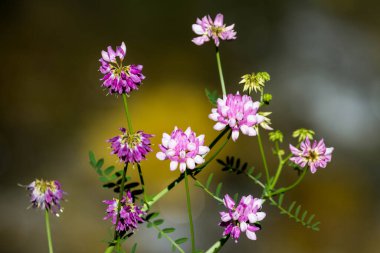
[(239, 113), (183, 148), (207, 28), (118, 78), (316, 155), (242, 218)]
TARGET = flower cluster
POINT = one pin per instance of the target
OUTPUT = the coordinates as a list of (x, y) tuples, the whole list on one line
[(46, 195), (130, 214), (182, 148), (237, 112), (242, 218), (117, 78), (316, 155), (131, 147), (207, 28), (254, 81)]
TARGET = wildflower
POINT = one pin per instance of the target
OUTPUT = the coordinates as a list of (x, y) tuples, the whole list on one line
[(46, 195), (238, 112), (130, 214), (276, 136), (303, 133), (316, 155), (255, 81), (118, 78), (242, 218), (183, 148), (131, 147), (207, 28)]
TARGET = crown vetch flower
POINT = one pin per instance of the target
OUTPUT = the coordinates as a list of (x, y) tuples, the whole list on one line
[(131, 147), (315, 156), (237, 112), (130, 214), (46, 195), (118, 78), (182, 148), (215, 29), (242, 218)]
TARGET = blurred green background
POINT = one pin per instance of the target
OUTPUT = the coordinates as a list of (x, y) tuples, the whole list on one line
[(324, 60)]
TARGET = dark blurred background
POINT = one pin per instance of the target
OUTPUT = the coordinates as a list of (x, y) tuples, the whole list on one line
[(324, 60)]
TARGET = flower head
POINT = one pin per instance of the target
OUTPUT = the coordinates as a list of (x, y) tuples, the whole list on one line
[(255, 81), (303, 133), (130, 214), (131, 147), (241, 218), (239, 113), (315, 156), (46, 195), (118, 78), (183, 148), (215, 29)]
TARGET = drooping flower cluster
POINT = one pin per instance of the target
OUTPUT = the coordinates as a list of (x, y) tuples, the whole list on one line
[(118, 78), (183, 148), (241, 218), (131, 147), (315, 156), (237, 112), (46, 195), (130, 214), (215, 29)]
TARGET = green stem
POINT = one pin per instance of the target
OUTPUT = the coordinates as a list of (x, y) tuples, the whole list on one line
[(50, 243), (282, 190), (280, 165), (120, 198), (198, 183), (220, 71), (263, 156), (142, 181), (189, 213), (130, 128), (218, 245), (168, 238)]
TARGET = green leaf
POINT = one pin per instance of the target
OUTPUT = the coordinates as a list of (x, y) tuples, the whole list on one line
[(91, 155), (212, 96), (310, 219), (291, 206), (109, 170), (103, 179), (218, 189), (158, 222), (173, 248), (280, 199), (168, 230), (297, 211), (151, 216), (181, 240), (209, 179), (304, 216), (159, 235), (149, 224), (100, 163), (133, 250)]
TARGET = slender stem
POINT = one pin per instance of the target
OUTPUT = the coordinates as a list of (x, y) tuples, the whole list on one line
[(256, 180), (220, 71), (120, 198), (282, 190), (278, 172), (218, 245), (263, 156), (198, 183), (141, 181), (130, 128), (48, 231), (189, 213), (168, 238)]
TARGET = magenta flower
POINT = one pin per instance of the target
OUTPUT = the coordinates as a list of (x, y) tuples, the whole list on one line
[(130, 214), (118, 78), (46, 195), (237, 112), (316, 155), (242, 218), (131, 148), (183, 148), (207, 28)]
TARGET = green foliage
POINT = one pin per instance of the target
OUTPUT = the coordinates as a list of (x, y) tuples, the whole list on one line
[(302, 133), (295, 212), (134, 247), (276, 136), (152, 220), (212, 96), (105, 174), (207, 189)]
